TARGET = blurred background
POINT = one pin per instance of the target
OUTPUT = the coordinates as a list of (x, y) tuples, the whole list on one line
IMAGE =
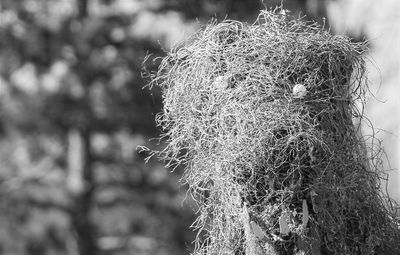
[(73, 110)]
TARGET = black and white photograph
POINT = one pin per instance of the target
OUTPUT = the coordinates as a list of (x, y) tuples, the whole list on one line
[(199, 127)]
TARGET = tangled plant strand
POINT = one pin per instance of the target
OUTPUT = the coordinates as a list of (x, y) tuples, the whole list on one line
[(263, 118)]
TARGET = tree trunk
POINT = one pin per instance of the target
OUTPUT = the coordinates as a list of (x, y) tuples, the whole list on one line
[(80, 181), (255, 245), (81, 160)]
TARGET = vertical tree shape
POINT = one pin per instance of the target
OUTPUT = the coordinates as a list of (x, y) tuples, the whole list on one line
[(81, 189), (75, 159), (81, 160)]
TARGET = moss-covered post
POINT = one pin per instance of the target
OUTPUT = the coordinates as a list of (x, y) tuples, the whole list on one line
[(261, 115)]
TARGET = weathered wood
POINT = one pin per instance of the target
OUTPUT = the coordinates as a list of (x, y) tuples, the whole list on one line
[(255, 244)]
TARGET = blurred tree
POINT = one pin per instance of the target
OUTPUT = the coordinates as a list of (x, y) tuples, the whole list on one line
[(73, 109)]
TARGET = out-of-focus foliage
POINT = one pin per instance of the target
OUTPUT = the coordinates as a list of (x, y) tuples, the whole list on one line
[(72, 111)]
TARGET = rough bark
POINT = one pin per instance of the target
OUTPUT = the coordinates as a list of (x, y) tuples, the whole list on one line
[(255, 245)]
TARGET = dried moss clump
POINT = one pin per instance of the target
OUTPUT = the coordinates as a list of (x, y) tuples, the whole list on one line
[(262, 116)]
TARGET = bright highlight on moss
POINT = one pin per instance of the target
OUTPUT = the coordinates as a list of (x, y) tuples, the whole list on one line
[(263, 116)]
